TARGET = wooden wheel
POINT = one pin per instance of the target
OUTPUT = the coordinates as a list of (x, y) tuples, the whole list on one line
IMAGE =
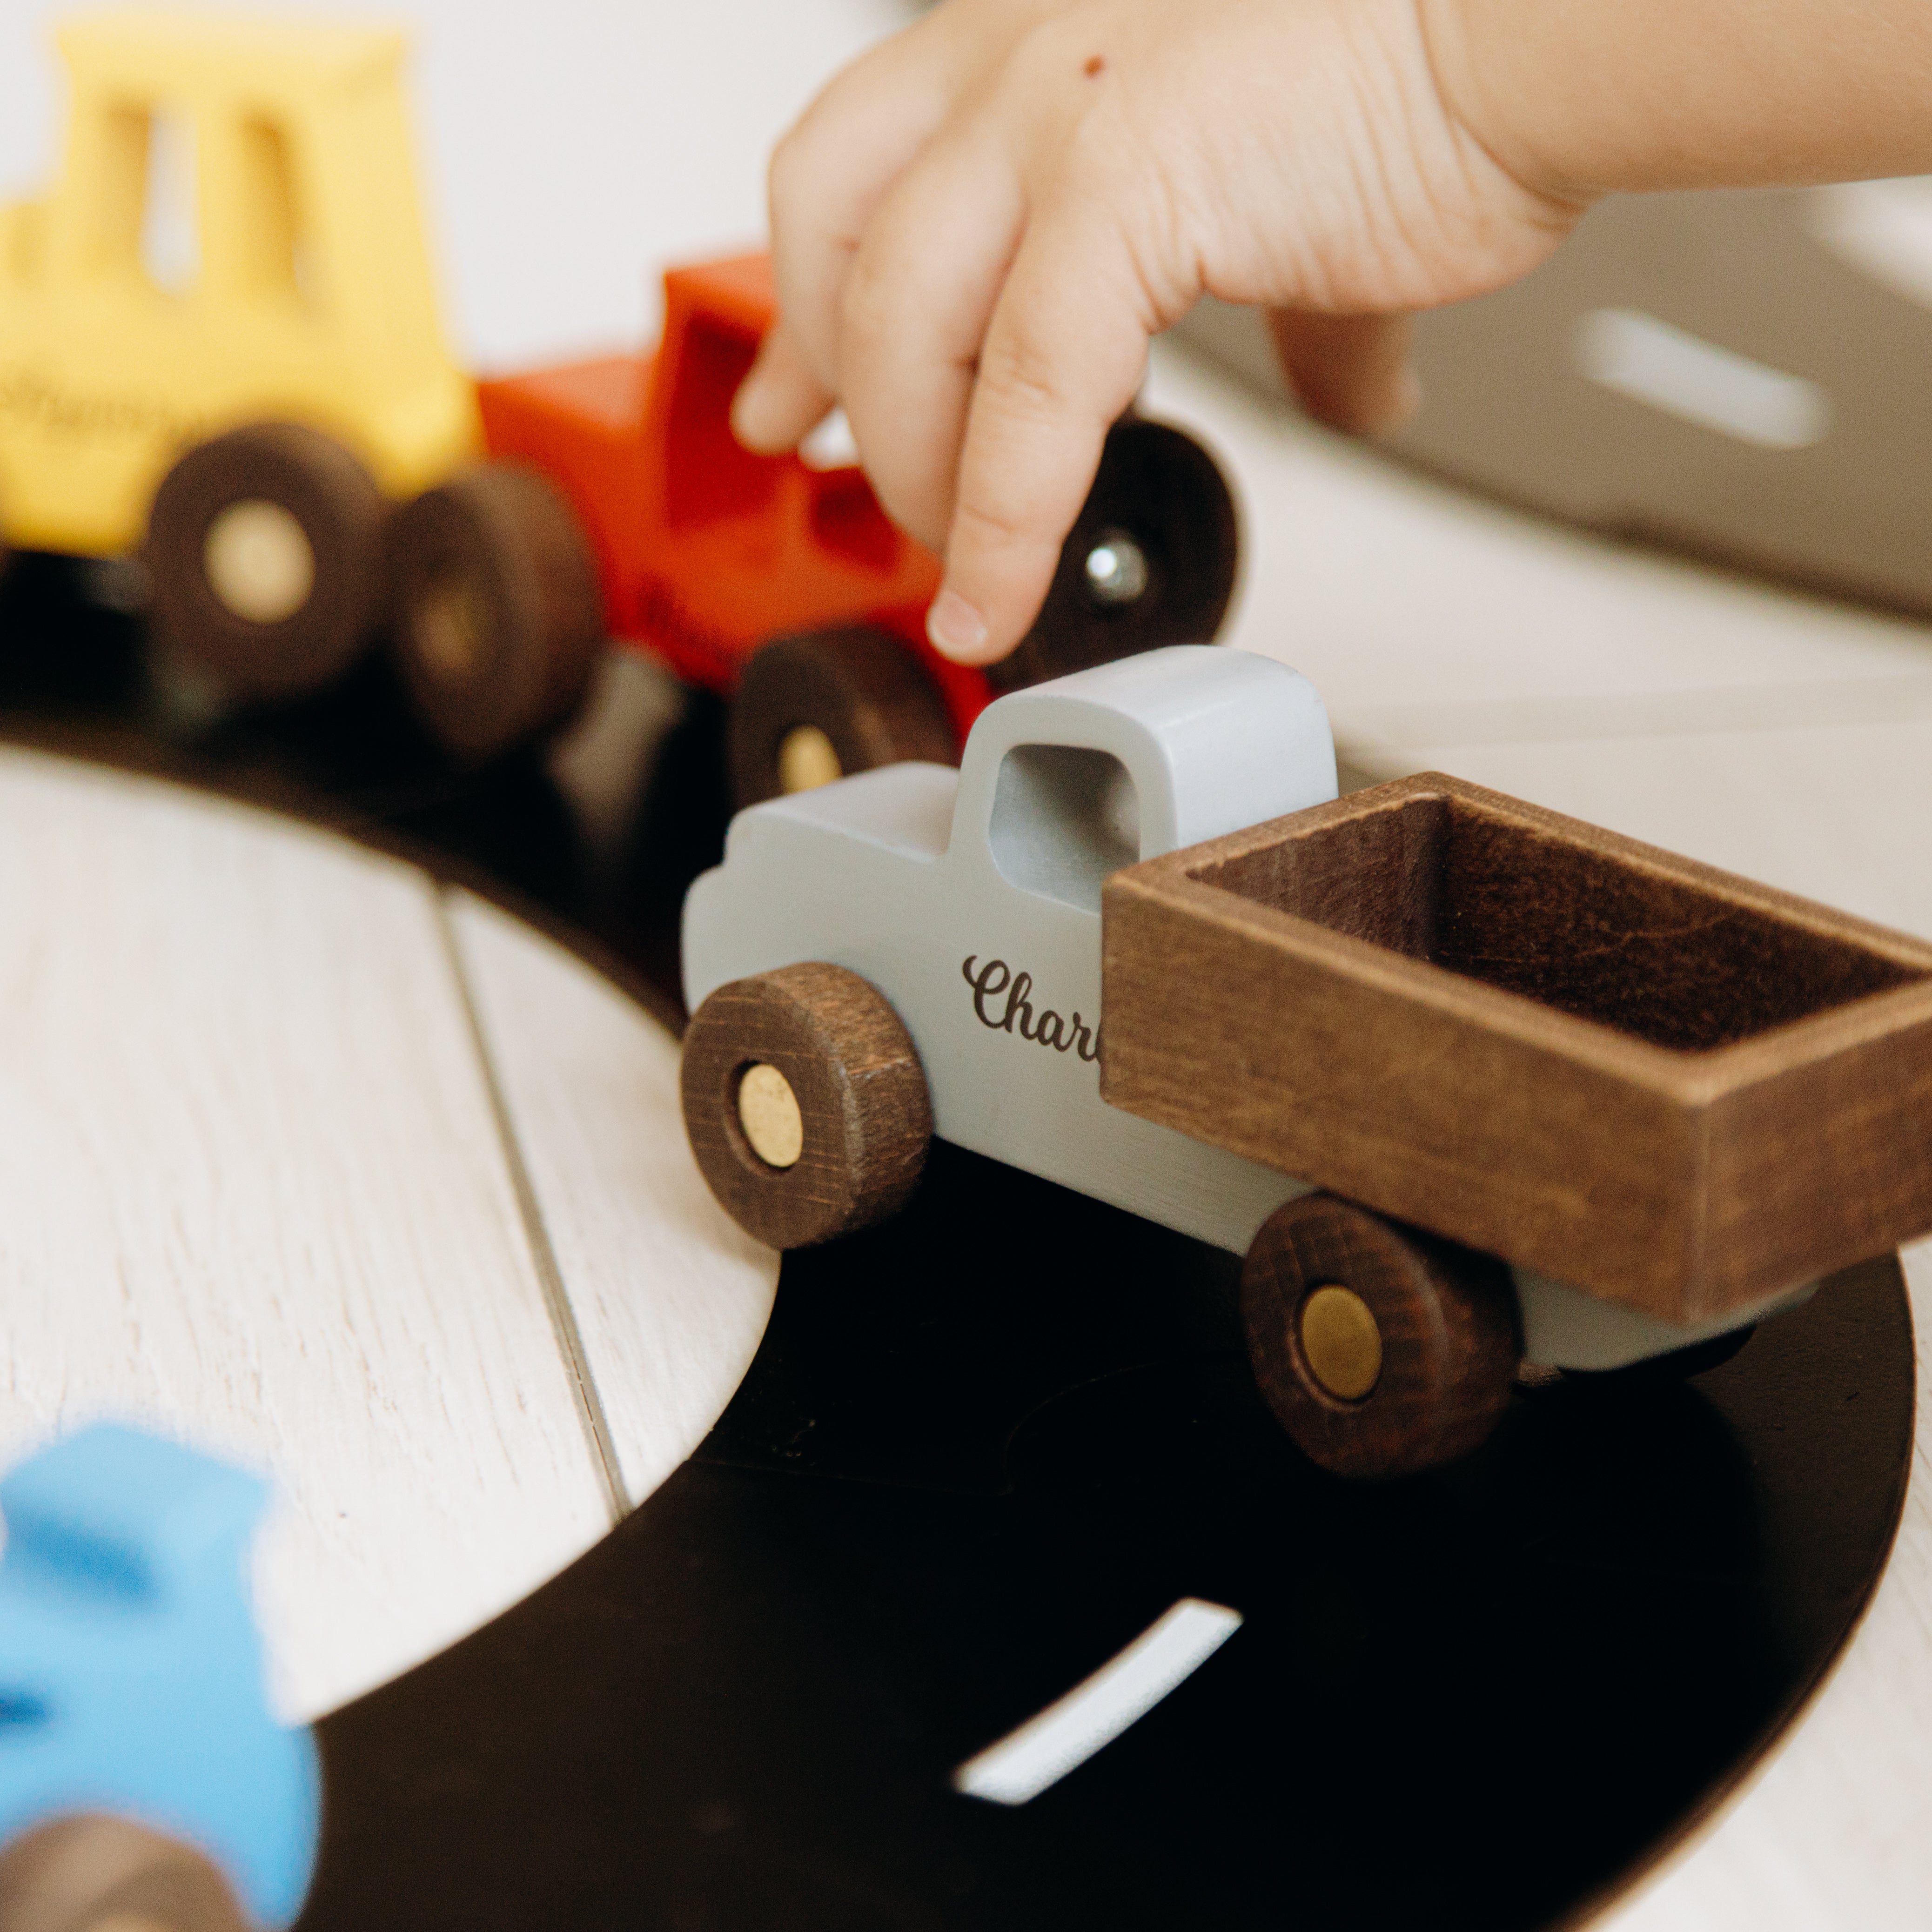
[(1382, 1351), (1151, 560), (804, 1103), (264, 547), (498, 616), (811, 708), (101, 1874)]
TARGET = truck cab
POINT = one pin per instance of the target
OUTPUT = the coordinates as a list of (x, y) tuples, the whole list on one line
[(971, 901), (235, 235)]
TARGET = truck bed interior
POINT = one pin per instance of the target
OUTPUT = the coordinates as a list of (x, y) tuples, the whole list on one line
[(1583, 922)]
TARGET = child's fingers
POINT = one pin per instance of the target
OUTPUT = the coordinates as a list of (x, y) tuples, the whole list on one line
[(1349, 371), (829, 173), (782, 399), (1064, 355), (914, 310)]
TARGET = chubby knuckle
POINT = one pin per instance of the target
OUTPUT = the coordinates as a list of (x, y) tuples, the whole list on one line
[(990, 522), (1021, 376)]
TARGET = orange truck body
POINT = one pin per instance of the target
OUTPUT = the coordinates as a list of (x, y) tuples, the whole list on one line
[(705, 550)]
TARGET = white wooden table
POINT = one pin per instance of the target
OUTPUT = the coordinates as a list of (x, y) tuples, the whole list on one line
[(357, 1177)]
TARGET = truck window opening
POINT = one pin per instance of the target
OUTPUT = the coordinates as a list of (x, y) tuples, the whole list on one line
[(1063, 818), (718, 477), (170, 235), (275, 258)]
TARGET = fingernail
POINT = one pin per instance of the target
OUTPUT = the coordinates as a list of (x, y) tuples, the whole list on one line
[(956, 629), (751, 412)]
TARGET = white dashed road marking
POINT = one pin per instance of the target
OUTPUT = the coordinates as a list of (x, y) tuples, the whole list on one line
[(1669, 368), (1092, 1715)]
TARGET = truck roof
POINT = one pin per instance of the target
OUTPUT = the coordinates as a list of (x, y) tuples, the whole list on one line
[(158, 53), (1213, 738)]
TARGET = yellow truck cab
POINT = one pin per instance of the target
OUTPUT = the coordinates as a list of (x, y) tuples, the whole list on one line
[(251, 403)]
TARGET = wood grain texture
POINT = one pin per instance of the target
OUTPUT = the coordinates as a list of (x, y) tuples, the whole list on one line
[(1671, 1086), (257, 1195), (496, 610), (668, 1299), (1828, 1830), (1784, 739), (1379, 586), (1447, 1319), (859, 1086)]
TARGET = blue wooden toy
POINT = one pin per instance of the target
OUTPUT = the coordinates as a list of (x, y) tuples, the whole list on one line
[(131, 1670)]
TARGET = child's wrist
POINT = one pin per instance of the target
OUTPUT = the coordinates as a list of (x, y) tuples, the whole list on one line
[(1493, 94)]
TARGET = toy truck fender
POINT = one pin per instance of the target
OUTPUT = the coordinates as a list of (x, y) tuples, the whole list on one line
[(971, 900)]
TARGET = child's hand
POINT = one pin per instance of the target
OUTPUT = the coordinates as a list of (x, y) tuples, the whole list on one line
[(977, 227)]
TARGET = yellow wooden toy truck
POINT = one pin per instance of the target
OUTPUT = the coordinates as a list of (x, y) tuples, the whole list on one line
[(254, 421)]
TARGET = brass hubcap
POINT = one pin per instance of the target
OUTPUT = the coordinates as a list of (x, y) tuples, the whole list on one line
[(768, 1112), (807, 759), (259, 562), (450, 626), (1341, 1343)]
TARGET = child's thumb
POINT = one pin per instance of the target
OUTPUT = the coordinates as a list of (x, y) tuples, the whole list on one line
[(1350, 371)]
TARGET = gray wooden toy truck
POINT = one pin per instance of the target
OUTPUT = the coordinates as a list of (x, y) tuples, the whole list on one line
[(1568, 1098)]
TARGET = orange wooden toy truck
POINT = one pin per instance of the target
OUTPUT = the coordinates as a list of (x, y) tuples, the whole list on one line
[(778, 583)]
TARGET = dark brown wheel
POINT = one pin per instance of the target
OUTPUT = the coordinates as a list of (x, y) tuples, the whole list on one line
[(1151, 560), (1382, 1350), (498, 616), (806, 1103), (96, 1873), (265, 547), (811, 708)]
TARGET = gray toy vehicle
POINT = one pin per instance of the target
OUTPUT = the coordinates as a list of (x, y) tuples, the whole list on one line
[(917, 951)]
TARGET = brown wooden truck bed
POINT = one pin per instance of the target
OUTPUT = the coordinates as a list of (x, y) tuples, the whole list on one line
[(1680, 1090)]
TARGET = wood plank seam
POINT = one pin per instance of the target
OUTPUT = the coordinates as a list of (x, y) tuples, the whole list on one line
[(590, 1402)]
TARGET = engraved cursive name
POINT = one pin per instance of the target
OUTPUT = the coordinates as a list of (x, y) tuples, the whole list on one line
[(28, 397), (1046, 1029)]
